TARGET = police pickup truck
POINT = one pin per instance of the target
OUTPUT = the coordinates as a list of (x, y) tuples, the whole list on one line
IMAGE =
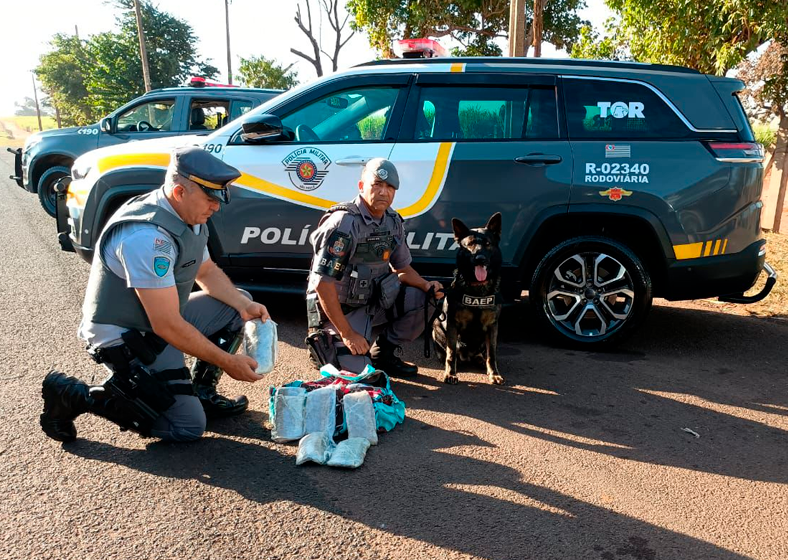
[(617, 182), (199, 108)]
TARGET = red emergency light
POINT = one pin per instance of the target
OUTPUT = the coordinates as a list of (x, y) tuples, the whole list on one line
[(199, 81), (419, 48)]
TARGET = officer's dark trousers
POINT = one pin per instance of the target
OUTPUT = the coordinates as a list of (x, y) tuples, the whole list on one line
[(185, 420), (372, 321)]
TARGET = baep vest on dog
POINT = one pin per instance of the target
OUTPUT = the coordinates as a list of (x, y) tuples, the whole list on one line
[(361, 275), (108, 300)]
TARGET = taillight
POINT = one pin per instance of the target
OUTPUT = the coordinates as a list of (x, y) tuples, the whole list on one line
[(737, 152)]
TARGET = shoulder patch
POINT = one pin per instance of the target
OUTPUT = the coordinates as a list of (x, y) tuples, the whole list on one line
[(161, 265), (162, 245)]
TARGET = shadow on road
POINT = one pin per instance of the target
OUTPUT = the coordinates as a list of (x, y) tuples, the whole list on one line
[(448, 505), (686, 368)]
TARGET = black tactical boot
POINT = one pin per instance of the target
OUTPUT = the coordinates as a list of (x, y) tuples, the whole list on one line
[(65, 398), (205, 378), (383, 354)]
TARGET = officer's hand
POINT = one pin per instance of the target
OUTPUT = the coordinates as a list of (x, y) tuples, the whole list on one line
[(241, 367), (357, 344), (255, 311), (438, 288)]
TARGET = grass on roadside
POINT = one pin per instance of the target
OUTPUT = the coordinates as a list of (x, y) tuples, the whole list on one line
[(765, 133)]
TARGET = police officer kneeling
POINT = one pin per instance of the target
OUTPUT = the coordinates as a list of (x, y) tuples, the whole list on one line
[(139, 315), (355, 293)]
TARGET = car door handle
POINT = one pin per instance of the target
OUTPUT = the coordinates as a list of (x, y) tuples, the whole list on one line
[(353, 160), (539, 159)]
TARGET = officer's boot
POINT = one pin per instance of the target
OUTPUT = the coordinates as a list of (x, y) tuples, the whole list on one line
[(383, 354), (205, 378), (65, 398)]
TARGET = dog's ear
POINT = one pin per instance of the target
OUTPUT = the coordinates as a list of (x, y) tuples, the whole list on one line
[(461, 231), (494, 225)]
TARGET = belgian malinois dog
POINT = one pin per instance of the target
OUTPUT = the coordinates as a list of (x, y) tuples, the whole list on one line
[(468, 330)]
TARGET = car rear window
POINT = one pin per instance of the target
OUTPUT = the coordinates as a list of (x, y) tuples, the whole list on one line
[(746, 133), (602, 109), (449, 113)]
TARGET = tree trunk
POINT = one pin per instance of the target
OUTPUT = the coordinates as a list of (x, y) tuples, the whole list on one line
[(516, 27), (779, 171), (538, 26)]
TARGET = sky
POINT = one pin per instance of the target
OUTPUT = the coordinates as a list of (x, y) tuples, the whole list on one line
[(257, 27)]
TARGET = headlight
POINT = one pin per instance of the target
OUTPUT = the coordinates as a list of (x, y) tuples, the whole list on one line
[(80, 170)]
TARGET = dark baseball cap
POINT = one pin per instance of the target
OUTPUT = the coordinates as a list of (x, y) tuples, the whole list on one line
[(384, 170), (209, 172)]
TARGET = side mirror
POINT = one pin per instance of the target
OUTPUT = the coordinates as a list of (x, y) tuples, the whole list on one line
[(106, 125), (262, 127)]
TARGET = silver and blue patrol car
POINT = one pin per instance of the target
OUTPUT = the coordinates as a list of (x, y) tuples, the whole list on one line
[(47, 156), (617, 182)]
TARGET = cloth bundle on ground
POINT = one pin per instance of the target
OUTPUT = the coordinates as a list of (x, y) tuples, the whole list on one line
[(315, 412), (389, 410), (260, 343)]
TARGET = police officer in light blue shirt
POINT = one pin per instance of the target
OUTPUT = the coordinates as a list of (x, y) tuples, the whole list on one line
[(140, 315)]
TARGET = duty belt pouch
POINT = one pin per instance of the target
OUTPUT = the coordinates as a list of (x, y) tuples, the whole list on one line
[(388, 289), (145, 348), (314, 319), (321, 348), (361, 286)]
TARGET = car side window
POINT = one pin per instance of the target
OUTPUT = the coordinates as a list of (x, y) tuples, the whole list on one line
[(486, 113), (153, 116), (353, 115), (208, 114), (602, 109), (240, 107)]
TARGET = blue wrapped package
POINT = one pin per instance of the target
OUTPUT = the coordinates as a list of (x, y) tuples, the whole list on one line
[(260, 343)]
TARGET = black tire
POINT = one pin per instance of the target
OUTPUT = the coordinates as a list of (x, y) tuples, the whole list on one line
[(595, 316), (46, 187)]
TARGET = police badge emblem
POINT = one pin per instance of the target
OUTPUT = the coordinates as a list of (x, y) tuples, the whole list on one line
[(338, 248)]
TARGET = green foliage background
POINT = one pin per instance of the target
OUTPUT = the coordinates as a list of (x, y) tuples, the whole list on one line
[(87, 79)]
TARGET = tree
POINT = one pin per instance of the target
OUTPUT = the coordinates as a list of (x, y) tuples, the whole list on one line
[(712, 36), (60, 72), (27, 108), (475, 24), (264, 73), (609, 45), (331, 8), (87, 79)]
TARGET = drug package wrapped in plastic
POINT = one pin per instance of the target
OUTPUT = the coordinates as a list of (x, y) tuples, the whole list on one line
[(316, 447), (349, 453), (321, 410), (360, 416), (260, 343), (289, 411)]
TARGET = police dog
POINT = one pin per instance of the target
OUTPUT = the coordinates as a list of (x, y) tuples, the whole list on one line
[(468, 329)]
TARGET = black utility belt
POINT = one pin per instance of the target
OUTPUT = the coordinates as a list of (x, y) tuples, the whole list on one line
[(136, 345)]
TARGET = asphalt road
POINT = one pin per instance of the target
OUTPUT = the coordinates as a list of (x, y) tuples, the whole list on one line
[(580, 456)]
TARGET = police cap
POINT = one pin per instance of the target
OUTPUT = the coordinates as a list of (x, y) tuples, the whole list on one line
[(384, 170), (209, 172)]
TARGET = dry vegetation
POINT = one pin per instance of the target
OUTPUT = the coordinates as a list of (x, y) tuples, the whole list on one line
[(776, 303)]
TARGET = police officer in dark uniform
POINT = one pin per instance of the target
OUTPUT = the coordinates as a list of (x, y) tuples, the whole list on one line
[(362, 287), (140, 315)]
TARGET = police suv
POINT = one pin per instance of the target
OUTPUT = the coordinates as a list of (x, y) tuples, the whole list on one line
[(617, 182), (200, 108)]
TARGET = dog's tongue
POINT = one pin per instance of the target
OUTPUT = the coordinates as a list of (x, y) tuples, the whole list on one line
[(481, 273)]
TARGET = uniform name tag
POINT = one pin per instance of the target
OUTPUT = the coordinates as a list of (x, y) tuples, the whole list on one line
[(478, 301)]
